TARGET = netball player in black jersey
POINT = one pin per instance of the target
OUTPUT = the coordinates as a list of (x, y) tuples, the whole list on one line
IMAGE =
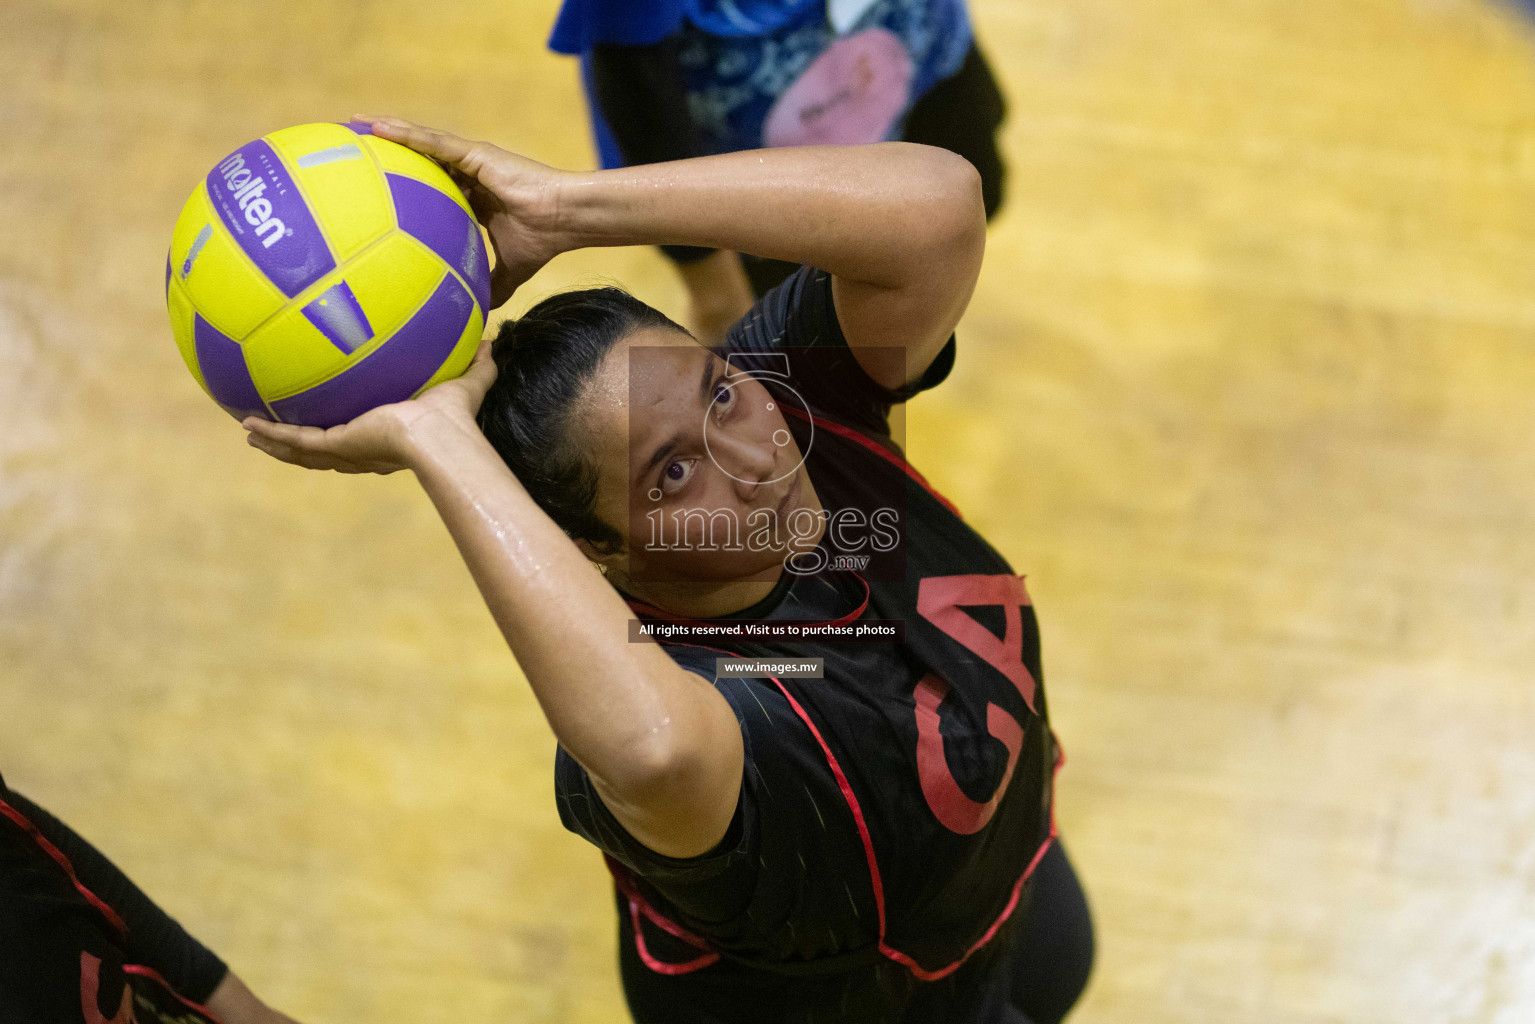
[(876, 845), (81, 944)]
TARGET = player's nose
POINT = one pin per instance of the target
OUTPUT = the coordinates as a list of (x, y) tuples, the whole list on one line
[(748, 462)]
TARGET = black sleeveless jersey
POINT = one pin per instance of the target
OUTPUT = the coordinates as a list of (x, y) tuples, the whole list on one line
[(81, 943), (891, 811)]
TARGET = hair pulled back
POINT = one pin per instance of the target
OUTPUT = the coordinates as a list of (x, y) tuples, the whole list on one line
[(543, 361)]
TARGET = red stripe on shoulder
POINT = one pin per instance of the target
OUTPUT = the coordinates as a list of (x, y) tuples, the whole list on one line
[(118, 924), (844, 431)]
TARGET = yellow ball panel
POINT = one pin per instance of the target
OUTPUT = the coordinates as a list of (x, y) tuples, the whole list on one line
[(463, 352), (393, 279), (181, 326), (397, 159), (341, 184), (306, 138), (289, 354), (222, 283)]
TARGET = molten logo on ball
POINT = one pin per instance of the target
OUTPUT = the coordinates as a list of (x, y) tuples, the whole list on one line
[(247, 188)]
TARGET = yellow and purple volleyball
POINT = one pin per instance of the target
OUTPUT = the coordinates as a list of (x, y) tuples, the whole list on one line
[(319, 272)]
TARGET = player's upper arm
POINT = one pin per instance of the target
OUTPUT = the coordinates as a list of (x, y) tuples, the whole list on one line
[(681, 795), (898, 325)]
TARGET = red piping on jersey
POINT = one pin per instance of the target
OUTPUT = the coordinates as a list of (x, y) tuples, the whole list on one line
[(639, 905), (878, 449), (117, 923), (154, 975), (853, 805), (919, 972)]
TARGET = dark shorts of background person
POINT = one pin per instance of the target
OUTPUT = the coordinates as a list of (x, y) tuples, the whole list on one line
[(79, 942), (1037, 979), (642, 104)]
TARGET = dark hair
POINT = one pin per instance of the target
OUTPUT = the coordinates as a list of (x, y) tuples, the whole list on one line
[(543, 361)]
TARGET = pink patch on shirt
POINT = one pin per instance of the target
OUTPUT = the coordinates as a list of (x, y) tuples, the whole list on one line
[(851, 94)]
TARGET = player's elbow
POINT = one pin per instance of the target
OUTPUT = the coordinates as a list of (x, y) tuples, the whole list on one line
[(953, 209), (669, 765), (651, 765), (660, 771)]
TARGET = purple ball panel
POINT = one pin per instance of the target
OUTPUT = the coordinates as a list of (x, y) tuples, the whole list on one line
[(443, 227), (339, 316), (263, 209), (224, 371), (392, 372), (357, 126), (478, 271)]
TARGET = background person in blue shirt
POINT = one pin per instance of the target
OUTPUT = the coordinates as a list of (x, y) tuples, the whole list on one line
[(670, 79)]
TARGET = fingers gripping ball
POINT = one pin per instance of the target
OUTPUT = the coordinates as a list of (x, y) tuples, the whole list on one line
[(319, 272)]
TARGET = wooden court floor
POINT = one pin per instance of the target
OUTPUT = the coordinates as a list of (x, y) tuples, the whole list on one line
[(1247, 390)]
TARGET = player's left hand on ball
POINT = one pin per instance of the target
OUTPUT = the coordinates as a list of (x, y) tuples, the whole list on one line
[(378, 441), (517, 199)]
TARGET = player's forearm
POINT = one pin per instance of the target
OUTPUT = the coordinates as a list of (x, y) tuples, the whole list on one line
[(624, 710), (887, 215), (234, 1003)]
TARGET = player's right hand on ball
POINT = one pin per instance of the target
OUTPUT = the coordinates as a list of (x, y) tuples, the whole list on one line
[(380, 440), (517, 199)]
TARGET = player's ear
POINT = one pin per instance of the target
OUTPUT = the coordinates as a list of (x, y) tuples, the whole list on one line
[(604, 560)]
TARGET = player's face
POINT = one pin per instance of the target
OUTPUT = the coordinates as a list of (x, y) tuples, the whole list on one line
[(696, 463)]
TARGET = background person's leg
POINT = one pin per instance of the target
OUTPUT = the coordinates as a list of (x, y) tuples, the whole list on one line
[(962, 113)]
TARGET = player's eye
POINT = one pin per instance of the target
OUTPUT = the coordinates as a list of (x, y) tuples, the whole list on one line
[(676, 475), (724, 398)]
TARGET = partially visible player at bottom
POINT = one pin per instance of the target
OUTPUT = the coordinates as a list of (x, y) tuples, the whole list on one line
[(81, 944), (872, 847)]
